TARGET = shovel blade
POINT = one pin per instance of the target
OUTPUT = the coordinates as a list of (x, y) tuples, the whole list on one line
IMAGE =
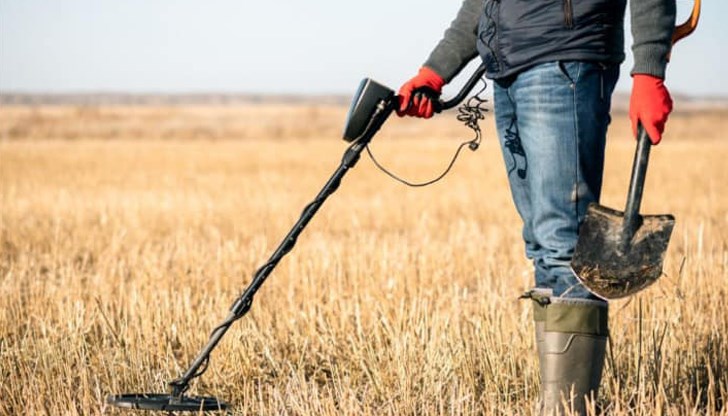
[(612, 267)]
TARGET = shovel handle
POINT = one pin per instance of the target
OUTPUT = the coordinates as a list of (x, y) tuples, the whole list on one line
[(637, 181), (687, 27), (642, 155)]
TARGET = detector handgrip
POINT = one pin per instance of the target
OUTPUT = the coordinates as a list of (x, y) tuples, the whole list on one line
[(464, 91), (438, 105)]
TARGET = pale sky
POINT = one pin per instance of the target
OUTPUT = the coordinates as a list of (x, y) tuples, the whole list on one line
[(245, 46)]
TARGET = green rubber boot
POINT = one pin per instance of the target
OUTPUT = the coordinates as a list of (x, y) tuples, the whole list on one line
[(541, 298), (571, 338)]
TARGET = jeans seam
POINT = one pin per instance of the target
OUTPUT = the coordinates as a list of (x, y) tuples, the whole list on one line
[(576, 143)]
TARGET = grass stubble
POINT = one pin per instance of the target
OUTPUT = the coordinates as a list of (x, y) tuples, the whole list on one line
[(117, 258)]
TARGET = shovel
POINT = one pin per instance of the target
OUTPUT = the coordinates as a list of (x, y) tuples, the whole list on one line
[(620, 253)]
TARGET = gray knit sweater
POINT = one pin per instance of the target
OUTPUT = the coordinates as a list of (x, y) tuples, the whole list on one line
[(652, 26)]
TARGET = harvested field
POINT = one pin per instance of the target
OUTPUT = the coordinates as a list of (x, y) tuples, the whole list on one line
[(127, 232)]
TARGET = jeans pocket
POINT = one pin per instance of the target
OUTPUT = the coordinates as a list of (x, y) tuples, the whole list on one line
[(569, 70)]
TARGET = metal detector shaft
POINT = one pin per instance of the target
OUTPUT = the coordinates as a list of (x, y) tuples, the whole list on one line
[(243, 303)]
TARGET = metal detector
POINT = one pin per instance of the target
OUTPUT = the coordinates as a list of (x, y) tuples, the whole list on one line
[(371, 106)]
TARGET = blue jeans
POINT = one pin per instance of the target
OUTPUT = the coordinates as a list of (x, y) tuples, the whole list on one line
[(552, 123)]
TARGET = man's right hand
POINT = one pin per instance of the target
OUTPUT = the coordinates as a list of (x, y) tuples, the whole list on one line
[(419, 105)]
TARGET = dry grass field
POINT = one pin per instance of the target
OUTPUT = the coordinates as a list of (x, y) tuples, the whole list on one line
[(127, 232)]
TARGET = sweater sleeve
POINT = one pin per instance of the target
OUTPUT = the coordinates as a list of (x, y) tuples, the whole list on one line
[(653, 22), (458, 45)]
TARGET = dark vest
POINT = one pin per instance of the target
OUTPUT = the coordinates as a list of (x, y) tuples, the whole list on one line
[(516, 34)]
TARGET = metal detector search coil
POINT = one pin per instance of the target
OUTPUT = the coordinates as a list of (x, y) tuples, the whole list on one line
[(167, 402)]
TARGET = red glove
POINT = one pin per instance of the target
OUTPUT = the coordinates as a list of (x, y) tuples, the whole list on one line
[(650, 104), (421, 104)]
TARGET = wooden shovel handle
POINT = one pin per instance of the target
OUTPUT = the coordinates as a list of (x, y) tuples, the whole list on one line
[(686, 27), (642, 153), (689, 25)]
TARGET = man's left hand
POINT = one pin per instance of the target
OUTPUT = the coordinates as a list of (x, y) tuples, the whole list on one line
[(650, 104)]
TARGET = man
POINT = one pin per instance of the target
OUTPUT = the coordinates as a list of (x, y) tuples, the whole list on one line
[(554, 64)]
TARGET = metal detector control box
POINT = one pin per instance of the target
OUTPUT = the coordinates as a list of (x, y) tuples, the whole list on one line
[(369, 94)]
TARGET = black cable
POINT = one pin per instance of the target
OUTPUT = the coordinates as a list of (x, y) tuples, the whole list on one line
[(470, 113), (418, 184)]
